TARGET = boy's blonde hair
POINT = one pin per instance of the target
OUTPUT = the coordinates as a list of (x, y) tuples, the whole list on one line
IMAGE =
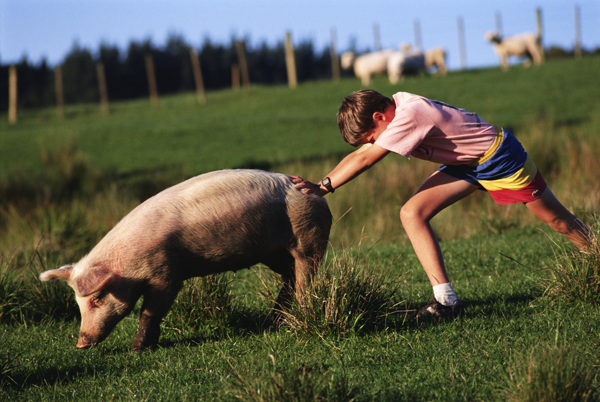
[(355, 116)]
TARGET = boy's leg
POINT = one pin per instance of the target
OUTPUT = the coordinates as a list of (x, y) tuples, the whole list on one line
[(438, 192), (551, 211)]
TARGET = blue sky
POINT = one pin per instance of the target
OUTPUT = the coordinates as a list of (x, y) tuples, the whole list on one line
[(48, 29)]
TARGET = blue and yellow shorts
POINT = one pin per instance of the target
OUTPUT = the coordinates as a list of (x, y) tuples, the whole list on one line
[(505, 171)]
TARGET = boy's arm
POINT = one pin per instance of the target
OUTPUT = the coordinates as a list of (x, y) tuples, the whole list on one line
[(348, 168)]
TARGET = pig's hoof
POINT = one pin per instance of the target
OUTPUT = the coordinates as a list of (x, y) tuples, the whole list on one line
[(138, 347)]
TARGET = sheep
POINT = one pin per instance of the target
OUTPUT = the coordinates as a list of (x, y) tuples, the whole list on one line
[(402, 62), (436, 57), (408, 61), (523, 45), (368, 64)]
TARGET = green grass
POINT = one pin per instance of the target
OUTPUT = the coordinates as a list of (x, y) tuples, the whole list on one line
[(273, 125), (530, 300), (470, 358)]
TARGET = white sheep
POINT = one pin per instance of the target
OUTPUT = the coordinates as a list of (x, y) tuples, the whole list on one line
[(436, 57), (407, 61), (368, 64), (522, 45), (402, 62)]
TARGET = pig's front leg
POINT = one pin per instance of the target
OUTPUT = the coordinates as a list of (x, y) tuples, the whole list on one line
[(148, 332), (156, 305)]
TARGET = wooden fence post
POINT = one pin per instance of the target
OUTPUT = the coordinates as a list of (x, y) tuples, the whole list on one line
[(376, 37), (198, 76), (335, 60), (12, 94), (241, 51), (102, 89), (235, 76), (418, 42), (151, 80), (499, 29), (461, 43), (58, 91), (498, 23), (540, 30), (577, 49), (290, 61)]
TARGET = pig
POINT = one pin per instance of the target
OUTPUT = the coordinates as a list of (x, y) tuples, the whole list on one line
[(215, 222)]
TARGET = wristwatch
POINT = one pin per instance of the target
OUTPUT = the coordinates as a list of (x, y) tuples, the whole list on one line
[(326, 182)]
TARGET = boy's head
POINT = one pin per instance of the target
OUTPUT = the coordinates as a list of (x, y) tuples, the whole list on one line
[(355, 116)]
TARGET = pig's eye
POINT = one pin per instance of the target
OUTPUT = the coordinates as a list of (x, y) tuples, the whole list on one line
[(96, 301)]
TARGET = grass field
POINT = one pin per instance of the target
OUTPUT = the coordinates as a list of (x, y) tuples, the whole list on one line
[(530, 330)]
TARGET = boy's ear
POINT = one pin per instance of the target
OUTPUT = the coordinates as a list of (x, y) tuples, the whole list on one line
[(378, 116)]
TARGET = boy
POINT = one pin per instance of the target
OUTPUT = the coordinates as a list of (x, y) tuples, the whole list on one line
[(474, 154)]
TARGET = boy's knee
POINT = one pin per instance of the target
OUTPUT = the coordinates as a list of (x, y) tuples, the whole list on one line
[(408, 214)]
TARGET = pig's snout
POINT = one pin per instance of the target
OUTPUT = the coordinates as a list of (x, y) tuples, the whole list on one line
[(84, 341)]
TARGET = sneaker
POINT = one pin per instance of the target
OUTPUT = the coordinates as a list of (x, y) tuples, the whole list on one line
[(438, 310)]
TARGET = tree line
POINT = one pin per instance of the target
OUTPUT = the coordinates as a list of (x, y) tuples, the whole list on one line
[(126, 70), (126, 77)]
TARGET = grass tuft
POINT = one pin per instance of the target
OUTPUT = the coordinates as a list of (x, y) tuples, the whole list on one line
[(23, 297), (575, 275), (549, 374), (202, 300), (288, 383), (11, 301), (346, 296), (8, 363)]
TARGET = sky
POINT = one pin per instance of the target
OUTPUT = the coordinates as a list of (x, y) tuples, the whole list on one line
[(48, 29)]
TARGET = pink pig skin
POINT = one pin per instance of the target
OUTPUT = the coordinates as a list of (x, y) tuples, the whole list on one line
[(215, 222)]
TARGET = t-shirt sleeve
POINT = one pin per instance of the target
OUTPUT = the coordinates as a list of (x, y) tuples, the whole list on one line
[(405, 132)]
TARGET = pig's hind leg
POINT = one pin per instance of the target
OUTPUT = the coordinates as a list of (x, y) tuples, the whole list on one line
[(156, 305), (296, 269), (283, 263)]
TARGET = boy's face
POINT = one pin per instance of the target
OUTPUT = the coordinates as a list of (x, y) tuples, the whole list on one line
[(381, 121)]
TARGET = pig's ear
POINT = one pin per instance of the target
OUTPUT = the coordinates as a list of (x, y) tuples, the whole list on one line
[(92, 281), (63, 273)]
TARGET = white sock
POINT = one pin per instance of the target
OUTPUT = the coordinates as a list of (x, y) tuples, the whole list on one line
[(444, 294)]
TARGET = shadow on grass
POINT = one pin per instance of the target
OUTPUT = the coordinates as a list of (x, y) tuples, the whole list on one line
[(245, 323), (238, 324), (516, 305), (49, 376)]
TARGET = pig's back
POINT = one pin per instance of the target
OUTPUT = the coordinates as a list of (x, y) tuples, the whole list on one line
[(215, 216)]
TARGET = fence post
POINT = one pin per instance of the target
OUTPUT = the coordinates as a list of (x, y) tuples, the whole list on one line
[(577, 49), (58, 90), (418, 42), (461, 43), (376, 37), (241, 51), (498, 23), (12, 94), (198, 76), (235, 76), (151, 80), (540, 30), (290, 61), (102, 89), (499, 29), (335, 60)]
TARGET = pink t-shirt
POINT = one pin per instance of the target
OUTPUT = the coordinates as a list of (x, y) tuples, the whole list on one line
[(435, 131)]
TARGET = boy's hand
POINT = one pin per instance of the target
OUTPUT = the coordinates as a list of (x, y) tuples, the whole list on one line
[(307, 187)]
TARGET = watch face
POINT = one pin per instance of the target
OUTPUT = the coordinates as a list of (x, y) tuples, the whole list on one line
[(327, 184)]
